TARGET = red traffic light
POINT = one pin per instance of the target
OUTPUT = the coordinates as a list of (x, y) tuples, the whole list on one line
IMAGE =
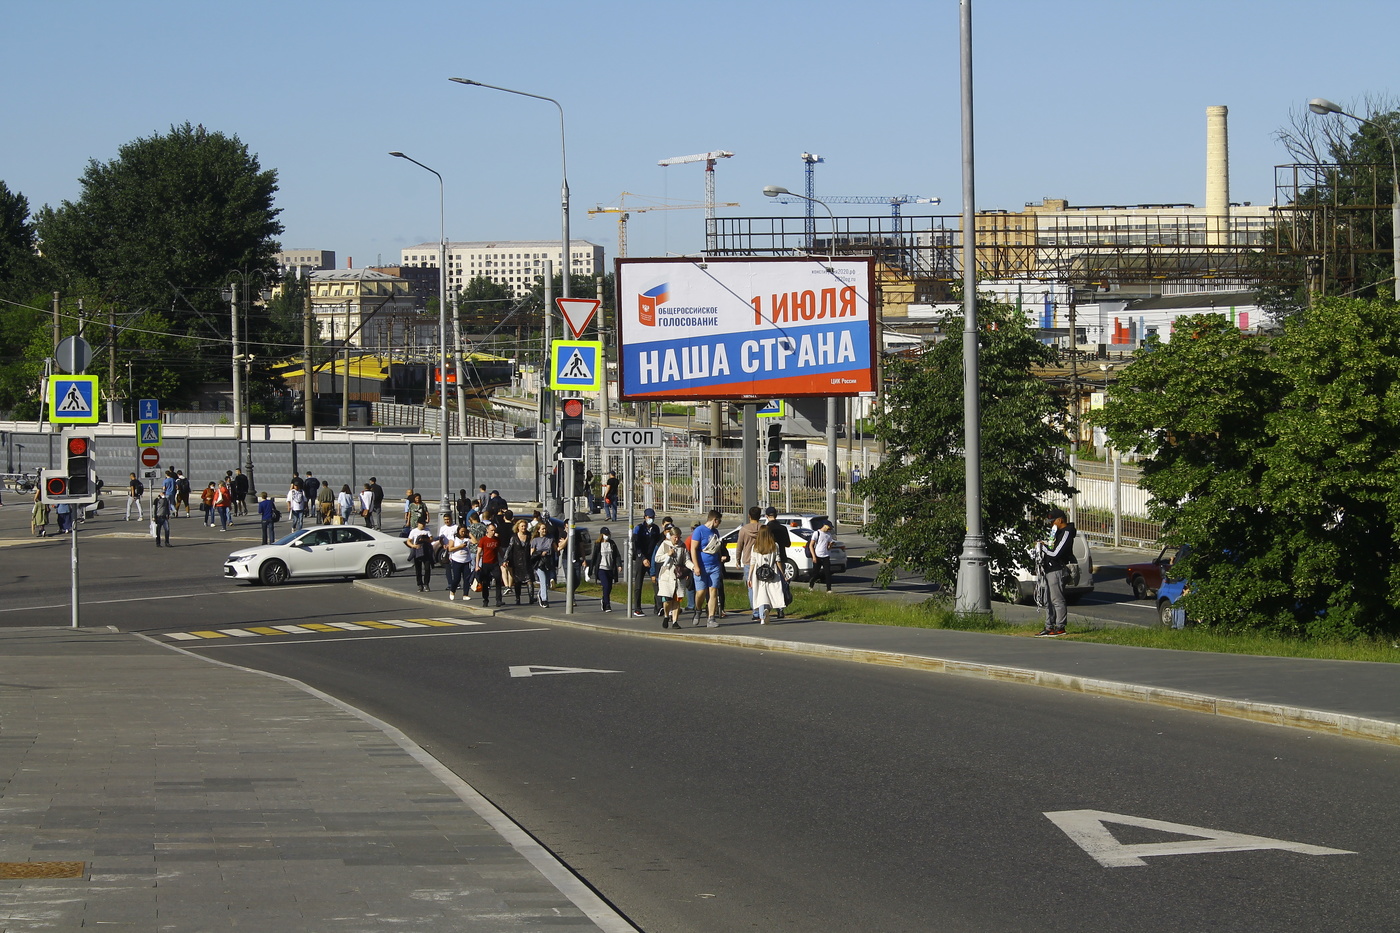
[(78, 446), (573, 408), (56, 485)]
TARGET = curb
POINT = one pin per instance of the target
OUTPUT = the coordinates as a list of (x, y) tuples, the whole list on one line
[(1294, 717)]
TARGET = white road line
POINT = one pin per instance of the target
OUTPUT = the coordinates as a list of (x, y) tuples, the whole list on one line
[(293, 629), (236, 633), (146, 599), (349, 626), (205, 643)]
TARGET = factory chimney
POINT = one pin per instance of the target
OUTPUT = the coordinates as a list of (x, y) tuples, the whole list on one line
[(1217, 176)]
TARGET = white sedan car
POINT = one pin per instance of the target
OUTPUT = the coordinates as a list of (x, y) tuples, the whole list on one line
[(320, 551)]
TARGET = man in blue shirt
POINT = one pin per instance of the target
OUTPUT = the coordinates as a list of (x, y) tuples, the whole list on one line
[(167, 487), (705, 548)]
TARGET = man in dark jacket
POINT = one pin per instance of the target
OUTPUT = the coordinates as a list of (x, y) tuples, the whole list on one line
[(645, 537), (1055, 555)]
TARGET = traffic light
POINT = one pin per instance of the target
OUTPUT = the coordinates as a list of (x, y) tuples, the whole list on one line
[(775, 443), (55, 486), (571, 429), (78, 467)]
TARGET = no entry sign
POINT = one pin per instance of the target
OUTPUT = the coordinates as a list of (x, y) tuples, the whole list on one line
[(150, 457)]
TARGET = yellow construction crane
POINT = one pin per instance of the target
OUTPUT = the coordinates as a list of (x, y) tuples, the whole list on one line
[(622, 211)]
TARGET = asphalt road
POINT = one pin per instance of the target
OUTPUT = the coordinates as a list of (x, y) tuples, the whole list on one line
[(703, 788)]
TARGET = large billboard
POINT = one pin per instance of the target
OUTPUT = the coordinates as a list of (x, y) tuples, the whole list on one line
[(745, 329)]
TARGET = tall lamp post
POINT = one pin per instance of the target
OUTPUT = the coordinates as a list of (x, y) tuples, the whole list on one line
[(974, 577), (242, 414), (442, 330), (547, 395), (1323, 106), (773, 191)]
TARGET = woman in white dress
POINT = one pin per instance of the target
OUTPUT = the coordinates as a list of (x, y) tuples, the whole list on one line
[(765, 575)]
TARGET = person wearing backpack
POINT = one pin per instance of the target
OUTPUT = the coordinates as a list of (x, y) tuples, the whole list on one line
[(134, 491), (765, 575), (269, 516)]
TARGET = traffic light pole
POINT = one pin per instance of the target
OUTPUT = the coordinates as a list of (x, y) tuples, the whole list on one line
[(73, 596)]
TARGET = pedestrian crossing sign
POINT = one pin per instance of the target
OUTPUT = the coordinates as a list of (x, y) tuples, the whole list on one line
[(72, 400), (576, 365), (148, 433), (772, 408)]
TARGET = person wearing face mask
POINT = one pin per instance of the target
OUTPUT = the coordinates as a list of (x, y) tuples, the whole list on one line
[(605, 562), (1055, 554), (645, 537)]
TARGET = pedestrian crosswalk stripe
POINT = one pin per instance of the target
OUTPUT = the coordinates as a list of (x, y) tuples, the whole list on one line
[(309, 628)]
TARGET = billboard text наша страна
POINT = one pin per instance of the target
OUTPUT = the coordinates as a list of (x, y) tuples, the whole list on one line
[(744, 328)]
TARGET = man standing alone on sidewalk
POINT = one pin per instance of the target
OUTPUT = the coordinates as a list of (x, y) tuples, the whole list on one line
[(1055, 554)]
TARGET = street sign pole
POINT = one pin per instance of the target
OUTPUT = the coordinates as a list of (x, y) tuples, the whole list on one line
[(73, 533)]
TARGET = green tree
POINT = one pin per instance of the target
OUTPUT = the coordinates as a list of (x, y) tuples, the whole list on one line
[(158, 228), (1278, 460), (20, 267), (917, 493)]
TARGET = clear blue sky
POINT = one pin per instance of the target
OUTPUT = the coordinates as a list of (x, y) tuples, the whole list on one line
[(1096, 101)]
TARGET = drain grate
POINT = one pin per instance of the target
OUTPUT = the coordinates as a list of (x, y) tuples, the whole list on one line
[(12, 870)]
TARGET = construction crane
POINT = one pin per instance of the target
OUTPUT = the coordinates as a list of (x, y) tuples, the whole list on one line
[(709, 158), (622, 213)]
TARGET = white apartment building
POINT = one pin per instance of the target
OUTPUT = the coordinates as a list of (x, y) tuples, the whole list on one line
[(517, 264)]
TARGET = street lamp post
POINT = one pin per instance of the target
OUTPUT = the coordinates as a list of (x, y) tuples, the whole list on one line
[(442, 331), (772, 191), (1323, 106), (974, 594), (546, 395)]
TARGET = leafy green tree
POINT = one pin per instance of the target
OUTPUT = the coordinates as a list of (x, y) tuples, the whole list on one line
[(159, 227), (1278, 460), (20, 274), (917, 493)]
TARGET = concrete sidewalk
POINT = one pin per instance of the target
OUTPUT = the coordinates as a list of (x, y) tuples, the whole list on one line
[(1350, 698), (146, 788)]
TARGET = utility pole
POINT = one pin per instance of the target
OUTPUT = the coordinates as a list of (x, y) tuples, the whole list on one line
[(237, 381), (113, 400), (603, 360), (461, 390), (306, 381)]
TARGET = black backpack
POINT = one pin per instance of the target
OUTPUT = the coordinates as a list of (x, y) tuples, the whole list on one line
[(139, 488)]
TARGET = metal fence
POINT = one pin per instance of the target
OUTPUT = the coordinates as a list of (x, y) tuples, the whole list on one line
[(397, 463), (1109, 506)]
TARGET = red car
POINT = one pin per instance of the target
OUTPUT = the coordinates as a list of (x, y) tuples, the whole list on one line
[(1146, 578)]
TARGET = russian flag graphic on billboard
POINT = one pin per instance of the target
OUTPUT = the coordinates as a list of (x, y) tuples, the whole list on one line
[(647, 302)]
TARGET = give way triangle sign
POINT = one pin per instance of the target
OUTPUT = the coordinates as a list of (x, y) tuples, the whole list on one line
[(578, 312)]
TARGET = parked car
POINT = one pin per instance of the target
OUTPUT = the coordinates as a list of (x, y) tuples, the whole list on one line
[(1146, 578), (1079, 581), (320, 551), (796, 564), (1168, 613)]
